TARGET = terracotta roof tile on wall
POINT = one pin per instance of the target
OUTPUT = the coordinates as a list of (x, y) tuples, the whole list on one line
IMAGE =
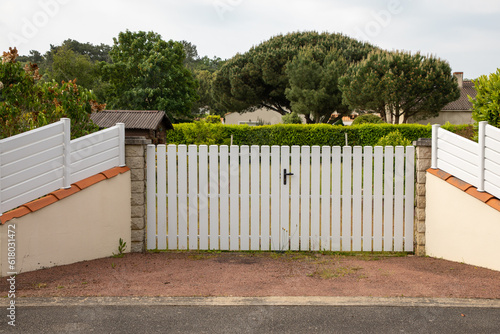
[(463, 103), (133, 119)]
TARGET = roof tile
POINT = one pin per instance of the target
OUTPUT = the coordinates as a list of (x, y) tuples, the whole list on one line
[(463, 103), (439, 173), (462, 185), (41, 203), (16, 213), (133, 119), (494, 203), (482, 196), (115, 171), (85, 183), (62, 193)]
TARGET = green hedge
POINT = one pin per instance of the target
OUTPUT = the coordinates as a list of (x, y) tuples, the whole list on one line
[(201, 133)]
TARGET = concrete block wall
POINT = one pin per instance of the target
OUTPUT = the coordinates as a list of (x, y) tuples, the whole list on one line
[(135, 159)]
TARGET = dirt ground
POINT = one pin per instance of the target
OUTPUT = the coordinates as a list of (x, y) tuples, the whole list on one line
[(261, 274)]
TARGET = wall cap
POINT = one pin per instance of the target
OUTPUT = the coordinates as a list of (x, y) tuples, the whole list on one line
[(137, 141), (59, 194)]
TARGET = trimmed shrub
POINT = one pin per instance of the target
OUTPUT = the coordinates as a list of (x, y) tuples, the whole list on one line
[(367, 118), (202, 133), (394, 138)]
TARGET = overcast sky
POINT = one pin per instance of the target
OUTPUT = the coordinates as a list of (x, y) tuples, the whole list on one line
[(465, 33)]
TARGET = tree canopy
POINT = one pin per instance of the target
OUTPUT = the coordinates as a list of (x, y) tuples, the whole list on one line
[(486, 105), (259, 77), (148, 73), (26, 102), (313, 79), (400, 85)]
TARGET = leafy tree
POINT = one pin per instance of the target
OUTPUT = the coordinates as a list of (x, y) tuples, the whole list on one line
[(68, 65), (314, 88), (26, 102), (400, 85), (95, 53), (148, 73), (486, 105), (291, 118), (258, 78)]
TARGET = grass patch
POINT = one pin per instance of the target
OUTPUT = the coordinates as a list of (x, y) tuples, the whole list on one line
[(336, 272)]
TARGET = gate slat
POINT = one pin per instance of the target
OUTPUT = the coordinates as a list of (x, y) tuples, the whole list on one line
[(367, 198), (285, 199), (346, 198), (151, 196), (224, 197), (203, 197), (325, 198), (275, 198), (234, 201), (214, 196), (399, 169), (172, 197), (304, 198), (265, 189), (356, 197), (255, 200), (182, 188), (315, 197), (378, 191), (193, 196), (336, 199), (244, 198), (409, 197), (388, 197), (295, 200), (162, 198)]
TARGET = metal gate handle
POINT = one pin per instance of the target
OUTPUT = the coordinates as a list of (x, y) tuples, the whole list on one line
[(285, 174)]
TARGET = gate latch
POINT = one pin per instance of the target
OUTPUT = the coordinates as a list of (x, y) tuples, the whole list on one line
[(285, 174)]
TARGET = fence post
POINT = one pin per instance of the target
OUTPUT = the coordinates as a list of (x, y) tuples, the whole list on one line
[(66, 153), (435, 128), (135, 158), (1, 206), (481, 135), (423, 162), (121, 136)]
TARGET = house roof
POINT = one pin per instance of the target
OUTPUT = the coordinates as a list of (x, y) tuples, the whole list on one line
[(133, 119), (463, 103)]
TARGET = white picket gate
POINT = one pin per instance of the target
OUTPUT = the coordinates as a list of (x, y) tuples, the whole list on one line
[(280, 198)]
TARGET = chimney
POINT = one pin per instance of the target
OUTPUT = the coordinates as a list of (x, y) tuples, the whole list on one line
[(460, 79)]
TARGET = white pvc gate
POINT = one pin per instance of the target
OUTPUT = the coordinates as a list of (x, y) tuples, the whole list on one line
[(280, 198)]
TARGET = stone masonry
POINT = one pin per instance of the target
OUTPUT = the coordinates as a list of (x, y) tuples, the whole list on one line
[(424, 154), (135, 159)]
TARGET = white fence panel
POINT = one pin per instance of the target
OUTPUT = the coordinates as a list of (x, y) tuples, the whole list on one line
[(95, 153), (34, 163), (278, 198), (474, 163)]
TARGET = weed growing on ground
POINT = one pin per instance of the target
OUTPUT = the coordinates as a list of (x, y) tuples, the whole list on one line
[(122, 246)]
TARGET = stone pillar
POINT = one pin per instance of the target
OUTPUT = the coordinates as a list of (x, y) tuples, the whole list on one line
[(424, 153), (135, 159)]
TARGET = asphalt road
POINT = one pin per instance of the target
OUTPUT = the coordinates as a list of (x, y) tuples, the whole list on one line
[(146, 317)]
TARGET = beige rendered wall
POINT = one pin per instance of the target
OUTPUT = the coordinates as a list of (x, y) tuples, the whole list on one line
[(454, 117), (266, 115), (84, 226), (459, 227)]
